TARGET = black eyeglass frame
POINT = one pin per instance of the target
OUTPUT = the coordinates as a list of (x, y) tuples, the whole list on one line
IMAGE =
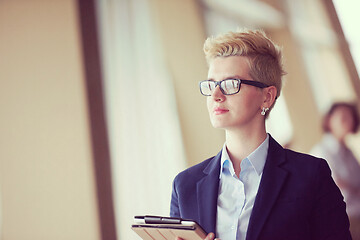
[(240, 81)]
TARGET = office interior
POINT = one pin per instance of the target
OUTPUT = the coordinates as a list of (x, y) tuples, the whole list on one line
[(100, 106)]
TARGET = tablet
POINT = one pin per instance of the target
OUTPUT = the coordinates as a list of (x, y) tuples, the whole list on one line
[(167, 228)]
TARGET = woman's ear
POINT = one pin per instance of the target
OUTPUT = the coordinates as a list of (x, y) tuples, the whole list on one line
[(270, 94)]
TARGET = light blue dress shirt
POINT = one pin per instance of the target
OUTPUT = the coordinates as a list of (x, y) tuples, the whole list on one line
[(237, 194)]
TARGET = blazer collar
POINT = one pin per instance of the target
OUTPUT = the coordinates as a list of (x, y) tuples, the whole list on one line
[(207, 193), (271, 183)]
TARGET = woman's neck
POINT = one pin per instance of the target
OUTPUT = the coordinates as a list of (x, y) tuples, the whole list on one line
[(340, 137), (240, 144)]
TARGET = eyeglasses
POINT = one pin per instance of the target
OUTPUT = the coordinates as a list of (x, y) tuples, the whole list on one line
[(227, 86)]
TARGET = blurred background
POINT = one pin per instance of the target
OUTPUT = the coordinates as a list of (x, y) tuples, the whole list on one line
[(100, 106)]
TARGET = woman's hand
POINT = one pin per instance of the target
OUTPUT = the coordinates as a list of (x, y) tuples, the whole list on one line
[(210, 236)]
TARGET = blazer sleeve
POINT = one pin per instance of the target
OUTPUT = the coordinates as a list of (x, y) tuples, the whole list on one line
[(174, 205), (329, 219)]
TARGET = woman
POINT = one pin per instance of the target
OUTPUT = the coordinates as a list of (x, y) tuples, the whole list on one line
[(342, 120), (253, 188)]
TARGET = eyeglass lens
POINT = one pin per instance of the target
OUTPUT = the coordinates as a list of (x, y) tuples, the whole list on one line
[(228, 86)]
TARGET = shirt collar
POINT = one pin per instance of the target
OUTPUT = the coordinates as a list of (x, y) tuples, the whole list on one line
[(225, 162), (257, 158)]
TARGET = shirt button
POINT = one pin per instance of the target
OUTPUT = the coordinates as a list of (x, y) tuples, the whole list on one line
[(232, 227)]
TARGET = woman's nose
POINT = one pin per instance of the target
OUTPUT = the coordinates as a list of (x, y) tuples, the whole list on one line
[(217, 95)]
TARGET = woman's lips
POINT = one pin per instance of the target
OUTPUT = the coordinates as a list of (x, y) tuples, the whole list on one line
[(219, 111)]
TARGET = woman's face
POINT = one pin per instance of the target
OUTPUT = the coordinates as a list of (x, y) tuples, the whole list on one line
[(238, 110), (341, 122)]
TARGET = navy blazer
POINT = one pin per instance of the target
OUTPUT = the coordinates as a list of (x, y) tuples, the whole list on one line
[(297, 198)]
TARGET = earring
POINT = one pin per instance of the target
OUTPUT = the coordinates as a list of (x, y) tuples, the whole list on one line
[(264, 110)]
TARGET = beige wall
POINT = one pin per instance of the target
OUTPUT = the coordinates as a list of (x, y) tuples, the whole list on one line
[(46, 172), (183, 36), (304, 116)]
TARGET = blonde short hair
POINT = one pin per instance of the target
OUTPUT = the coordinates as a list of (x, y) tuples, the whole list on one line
[(265, 57)]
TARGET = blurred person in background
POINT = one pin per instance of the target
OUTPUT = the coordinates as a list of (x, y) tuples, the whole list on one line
[(340, 121), (254, 189)]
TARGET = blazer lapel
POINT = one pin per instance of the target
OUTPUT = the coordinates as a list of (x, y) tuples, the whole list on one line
[(207, 194), (271, 183)]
